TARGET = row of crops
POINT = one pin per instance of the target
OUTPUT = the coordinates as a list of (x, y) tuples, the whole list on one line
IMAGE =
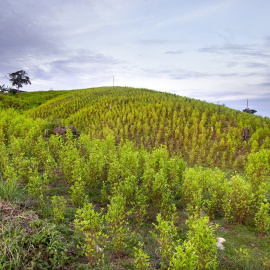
[(201, 133)]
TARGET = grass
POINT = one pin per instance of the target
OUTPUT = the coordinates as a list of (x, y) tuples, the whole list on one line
[(244, 248), (10, 190)]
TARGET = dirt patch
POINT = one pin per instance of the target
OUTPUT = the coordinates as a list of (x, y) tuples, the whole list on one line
[(10, 212)]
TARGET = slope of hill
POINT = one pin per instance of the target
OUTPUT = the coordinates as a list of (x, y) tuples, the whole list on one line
[(120, 194), (28, 100), (200, 132)]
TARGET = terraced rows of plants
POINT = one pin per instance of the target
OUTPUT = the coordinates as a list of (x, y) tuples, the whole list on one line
[(123, 194), (202, 133)]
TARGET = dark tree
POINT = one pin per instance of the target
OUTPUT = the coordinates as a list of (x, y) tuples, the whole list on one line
[(19, 78)]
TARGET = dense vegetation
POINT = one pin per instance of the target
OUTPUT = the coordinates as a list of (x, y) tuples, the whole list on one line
[(28, 100), (149, 182), (202, 133)]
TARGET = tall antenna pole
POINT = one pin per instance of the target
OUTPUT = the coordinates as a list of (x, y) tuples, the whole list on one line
[(113, 80), (247, 103)]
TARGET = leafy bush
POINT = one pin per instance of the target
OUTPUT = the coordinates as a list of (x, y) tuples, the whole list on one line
[(141, 258), (203, 242), (90, 224), (262, 217), (116, 219), (166, 236), (59, 207)]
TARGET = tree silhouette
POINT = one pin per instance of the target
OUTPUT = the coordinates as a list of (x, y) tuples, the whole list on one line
[(19, 78)]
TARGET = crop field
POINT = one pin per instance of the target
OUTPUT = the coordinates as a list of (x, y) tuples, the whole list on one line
[(149, 180)]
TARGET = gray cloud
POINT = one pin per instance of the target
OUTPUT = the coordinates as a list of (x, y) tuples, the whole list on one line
[(30, 40), (76, 65), (174, 73), (184, 74), (174, 52), (256, 65), (232, 64), (152, 41), (23, 39), (267, 40), (263, 85), (240, 50), (227, 74), (223, 95)]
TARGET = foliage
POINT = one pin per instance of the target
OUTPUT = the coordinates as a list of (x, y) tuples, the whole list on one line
[(182, 124), (37, 186), (166, 236), (247, 110), (32, 245), (77, 193), (141, 258), (4, 89), (19, 78), (59, 207), (258, 167), (204, 190), (117, 223), (10, 190), (262, 217), (90, 223), (130, 158), (241, 199), (184, 257), (201, 235)]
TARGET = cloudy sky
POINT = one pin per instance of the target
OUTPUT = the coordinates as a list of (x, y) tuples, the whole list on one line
[(213, 50)]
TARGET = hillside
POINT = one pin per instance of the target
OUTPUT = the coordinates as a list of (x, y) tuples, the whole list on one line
[(150, 180), (202, 133), (27, 100)]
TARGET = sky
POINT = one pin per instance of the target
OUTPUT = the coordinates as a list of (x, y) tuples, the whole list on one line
[(212, 50)]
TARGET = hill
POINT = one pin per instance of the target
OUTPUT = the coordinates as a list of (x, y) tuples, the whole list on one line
[(202, 133), (148, 181)]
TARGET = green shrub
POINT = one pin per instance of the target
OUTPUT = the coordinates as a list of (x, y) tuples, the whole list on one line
[(141, 258), (77, 193), (166, 236), (116, 219), (262, 217), (38, 186), (258, 167), (184, 257), (240, 195), (203, 242), (90, 224), (59, 207)]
